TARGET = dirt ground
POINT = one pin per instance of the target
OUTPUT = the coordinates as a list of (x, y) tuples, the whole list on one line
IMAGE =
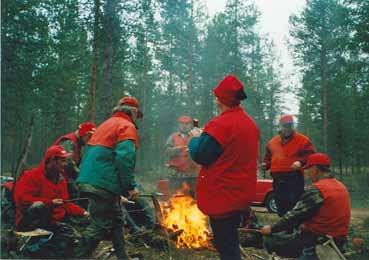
[(359, 229), (359, 220)]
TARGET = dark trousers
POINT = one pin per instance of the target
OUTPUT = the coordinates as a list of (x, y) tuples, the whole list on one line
[(298, 244), (37, 215), (287, 187), (106, 224), (226, 236), (139, 214), (64, 234)]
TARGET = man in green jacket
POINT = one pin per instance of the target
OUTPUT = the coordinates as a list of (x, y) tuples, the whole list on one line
[(107, 173)]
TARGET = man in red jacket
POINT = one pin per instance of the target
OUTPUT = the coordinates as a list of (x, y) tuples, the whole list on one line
[(184, 169), (227, 150), (323, 209), (285, 154), (41, 197), (73, 143)]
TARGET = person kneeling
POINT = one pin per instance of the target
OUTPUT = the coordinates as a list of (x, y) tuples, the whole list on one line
[(323, 210), (41, 199)]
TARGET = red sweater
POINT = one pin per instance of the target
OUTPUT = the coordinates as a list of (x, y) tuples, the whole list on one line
[(34, 186)]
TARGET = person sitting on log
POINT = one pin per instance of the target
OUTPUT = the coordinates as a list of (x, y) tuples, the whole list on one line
[(41, 199), (323, 210)]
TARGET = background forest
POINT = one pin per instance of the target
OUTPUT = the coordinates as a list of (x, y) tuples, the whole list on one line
[(68, 61)]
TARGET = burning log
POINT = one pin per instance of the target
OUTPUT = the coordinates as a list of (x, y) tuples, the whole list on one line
[(173, 235), (190, 226)]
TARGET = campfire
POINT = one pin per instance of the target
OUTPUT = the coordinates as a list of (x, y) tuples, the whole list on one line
[(181, 215)]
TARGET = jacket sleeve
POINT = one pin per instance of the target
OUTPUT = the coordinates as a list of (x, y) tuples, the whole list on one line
[(205, 149), (309, 204), (27, 191), (71, 208), (124, 162), (267, 157)]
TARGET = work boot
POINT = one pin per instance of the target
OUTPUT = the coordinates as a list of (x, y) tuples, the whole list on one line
[(85, 248), (119, 243)]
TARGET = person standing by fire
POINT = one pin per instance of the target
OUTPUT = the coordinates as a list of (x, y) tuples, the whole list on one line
[(285, 155), (227, 150), (184, 169), (107, 173)]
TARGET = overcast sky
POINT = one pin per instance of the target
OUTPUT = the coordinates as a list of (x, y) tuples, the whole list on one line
[(274, 22)]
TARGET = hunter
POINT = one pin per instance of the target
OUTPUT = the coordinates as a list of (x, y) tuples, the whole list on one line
[(285, 154), (227, 150), (73, 143), (323, 209), (41, 199), (184, 168), (106, 174)]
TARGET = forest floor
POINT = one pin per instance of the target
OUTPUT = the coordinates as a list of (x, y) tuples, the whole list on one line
[(359, 228)]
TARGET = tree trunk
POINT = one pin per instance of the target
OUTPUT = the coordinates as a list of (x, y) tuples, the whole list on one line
[(109, 40), (92, 89), (324, 77), (59, 117), (190, 65)]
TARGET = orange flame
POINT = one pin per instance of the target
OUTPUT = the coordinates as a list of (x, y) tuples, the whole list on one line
[(182, 213)]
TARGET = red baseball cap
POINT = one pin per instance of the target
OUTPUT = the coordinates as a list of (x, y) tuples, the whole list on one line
[(230, 91), (132, 102), (56, 151), (317, 159), (86, 128), (184, 119), (286, 119)]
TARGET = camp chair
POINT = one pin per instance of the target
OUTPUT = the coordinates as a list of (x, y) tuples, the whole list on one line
[(42, 236), (328, 250)]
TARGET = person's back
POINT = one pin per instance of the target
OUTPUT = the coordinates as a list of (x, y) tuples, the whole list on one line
[(98, 164), (333, 217), (107, 172), (224, 182), (227, 149), (242, 135)]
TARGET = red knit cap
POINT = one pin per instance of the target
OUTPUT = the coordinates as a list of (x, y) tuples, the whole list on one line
[(286, 119), (230, 91), (184, 119)]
